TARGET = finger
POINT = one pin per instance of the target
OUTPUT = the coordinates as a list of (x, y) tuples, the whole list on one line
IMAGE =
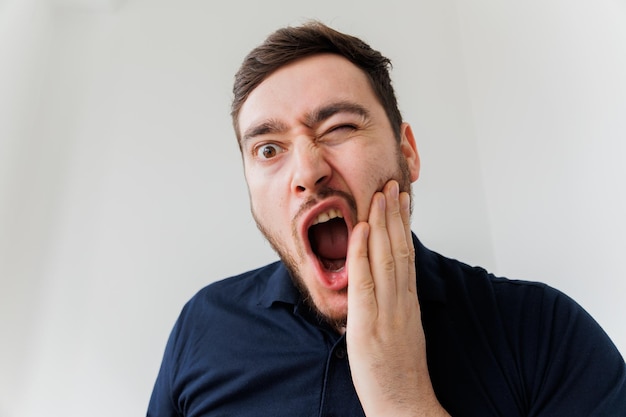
[(396, 228), (361, 289), (405, 209), (382, 263)]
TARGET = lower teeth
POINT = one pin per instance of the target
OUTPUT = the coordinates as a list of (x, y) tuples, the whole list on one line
[(333, 265)]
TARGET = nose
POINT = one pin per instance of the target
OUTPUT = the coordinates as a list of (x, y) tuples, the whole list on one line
[(311, 170)]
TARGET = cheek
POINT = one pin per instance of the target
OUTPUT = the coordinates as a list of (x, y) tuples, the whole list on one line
[(267, 203), (365, 178), (259, 187)]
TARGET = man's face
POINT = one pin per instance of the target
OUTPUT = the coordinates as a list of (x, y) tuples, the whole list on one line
[(316, 146)]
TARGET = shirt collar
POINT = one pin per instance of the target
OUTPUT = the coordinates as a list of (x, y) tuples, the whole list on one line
[(280, 288)]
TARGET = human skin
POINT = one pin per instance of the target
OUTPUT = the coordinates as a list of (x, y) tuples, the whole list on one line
[(385, 339), (316, 140)]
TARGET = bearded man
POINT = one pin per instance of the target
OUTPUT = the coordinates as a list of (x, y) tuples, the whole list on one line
[(358, 317)]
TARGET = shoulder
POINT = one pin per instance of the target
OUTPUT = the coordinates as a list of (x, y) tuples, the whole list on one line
[(455, 283), (531, 316), (473, 295), (458, 281), (239, 291), (508, 295), (552, 354), (215, 311)]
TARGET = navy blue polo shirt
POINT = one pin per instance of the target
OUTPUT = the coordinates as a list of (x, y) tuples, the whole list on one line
[(248, 346)]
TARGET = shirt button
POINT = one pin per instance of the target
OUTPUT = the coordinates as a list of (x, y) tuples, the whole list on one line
[(340, 353)]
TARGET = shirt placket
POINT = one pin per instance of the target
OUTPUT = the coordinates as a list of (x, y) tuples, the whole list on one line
[(339, 399)]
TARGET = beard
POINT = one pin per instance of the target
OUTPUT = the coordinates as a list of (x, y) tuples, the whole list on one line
[(288, 258)]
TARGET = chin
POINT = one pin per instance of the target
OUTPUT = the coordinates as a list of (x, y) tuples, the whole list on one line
[(333, 309), (324, 291)]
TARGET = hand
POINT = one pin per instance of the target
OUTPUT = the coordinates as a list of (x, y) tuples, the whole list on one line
[(385, 339)]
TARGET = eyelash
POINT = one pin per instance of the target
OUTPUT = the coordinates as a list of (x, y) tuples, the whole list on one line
[(340, 127)]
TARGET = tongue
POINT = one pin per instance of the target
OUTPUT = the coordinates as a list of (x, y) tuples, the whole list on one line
[(330, 239)]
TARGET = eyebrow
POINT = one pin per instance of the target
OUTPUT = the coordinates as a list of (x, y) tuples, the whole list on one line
[(327, 111), (264, 128), (311, 119)]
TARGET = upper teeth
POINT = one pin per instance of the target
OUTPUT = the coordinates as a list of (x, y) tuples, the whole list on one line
[(326, 216)]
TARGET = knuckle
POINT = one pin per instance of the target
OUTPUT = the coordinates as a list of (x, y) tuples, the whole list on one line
[(411, 254), (367, 286), (406, 254), (388, 264)]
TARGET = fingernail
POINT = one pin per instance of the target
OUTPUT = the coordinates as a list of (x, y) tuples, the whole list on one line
[(381, 201), (395, 190)]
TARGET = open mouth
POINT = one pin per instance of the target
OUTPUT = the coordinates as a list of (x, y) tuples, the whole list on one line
[(328, 236)]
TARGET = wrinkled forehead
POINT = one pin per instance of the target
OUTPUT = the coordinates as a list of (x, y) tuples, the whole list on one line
[(301, 86)]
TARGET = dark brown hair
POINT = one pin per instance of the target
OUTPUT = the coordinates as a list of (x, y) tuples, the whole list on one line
[(291, 43)]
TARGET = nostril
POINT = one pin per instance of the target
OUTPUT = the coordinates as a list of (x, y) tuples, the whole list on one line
[(320, 181)]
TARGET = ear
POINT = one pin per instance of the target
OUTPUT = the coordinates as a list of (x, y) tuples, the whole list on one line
[(409, 151)]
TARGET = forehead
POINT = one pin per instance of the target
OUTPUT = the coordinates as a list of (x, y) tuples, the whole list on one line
[(303, 85)]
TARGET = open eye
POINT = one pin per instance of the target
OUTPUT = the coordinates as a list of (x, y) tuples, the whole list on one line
[(268, 151)]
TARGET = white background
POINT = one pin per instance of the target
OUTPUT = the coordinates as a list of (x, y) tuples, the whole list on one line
[(121, 190)]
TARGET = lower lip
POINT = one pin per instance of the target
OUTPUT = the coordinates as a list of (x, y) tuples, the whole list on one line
[(332, 280)]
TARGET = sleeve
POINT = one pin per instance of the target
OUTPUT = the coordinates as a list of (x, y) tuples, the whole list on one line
[(162, 403), (582, 372)]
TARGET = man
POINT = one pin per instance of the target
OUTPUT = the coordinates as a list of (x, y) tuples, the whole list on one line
[(359, 318)]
